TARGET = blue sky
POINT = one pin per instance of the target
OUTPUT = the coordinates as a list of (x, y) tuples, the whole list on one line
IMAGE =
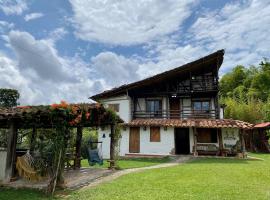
[(70, 50)]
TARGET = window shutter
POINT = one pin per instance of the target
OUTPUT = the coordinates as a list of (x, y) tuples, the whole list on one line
[(154, 134)]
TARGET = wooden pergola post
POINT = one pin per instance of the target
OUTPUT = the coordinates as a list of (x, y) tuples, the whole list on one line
[(220, 141), (112, 147), (243, 145), (11, 151), (33, 139), (77, 161), (195, 153)]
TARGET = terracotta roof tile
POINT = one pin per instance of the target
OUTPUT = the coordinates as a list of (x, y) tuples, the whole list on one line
[(201, 123), (262, 125)]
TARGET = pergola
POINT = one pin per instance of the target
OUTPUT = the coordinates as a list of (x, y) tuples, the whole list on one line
[(61, 117)]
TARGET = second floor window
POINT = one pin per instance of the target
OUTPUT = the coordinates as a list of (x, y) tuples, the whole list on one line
[(153, 106), (201, 105), (114, 107)]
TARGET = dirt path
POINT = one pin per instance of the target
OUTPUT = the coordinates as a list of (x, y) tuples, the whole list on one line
[(117, 174)]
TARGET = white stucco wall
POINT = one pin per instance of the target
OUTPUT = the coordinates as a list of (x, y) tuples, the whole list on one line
[(124, 106), (229, 136), (3, 157), (164, 147), (105, 141)]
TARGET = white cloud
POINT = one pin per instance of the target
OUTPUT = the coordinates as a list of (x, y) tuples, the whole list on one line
[(38, 58), (13, 7), (5, 26), (42, 76), (114, 69), (33, 16), (128, 22), (242, 28)]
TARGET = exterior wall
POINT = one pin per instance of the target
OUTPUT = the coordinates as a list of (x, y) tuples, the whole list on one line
[(104, 137), (164, 147), (229, 137), (124, 106), (3, 157)]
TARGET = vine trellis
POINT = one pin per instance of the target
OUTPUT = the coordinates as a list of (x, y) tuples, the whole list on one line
[(61, 118)]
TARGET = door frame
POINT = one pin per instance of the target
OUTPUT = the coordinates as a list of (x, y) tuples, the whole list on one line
[(139, 140), (188, 141)]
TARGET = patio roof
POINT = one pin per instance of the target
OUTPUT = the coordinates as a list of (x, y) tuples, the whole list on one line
[(262, 125), (199, 123)]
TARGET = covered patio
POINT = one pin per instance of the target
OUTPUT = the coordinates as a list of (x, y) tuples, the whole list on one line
[(58, 120)]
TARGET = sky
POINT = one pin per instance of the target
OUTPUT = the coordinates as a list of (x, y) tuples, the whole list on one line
[(72, 49)]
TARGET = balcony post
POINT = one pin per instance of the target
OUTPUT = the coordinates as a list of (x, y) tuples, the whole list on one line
[(195, 152)]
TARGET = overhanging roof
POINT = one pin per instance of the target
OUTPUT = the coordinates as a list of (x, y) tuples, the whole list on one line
[(185, 123), (213, 60), (263, 125)]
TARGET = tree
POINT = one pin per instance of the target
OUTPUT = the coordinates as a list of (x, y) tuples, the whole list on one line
[(246, 92), (9, 97)]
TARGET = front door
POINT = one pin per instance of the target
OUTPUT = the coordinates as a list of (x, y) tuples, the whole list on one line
[(134, 140), (181, 141), (174, 108)]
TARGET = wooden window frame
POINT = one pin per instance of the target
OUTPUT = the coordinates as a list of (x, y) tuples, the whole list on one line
[(211, 141), (155, 136), (114, 106)]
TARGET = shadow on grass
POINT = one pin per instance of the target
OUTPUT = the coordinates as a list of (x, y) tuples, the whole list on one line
[(223, 161)]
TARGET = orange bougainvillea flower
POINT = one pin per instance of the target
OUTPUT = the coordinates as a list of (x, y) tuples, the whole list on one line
[(87, 115), (63, 104), (23, 107)]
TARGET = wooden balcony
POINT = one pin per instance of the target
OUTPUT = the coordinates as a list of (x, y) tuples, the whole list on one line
[(176, 114)]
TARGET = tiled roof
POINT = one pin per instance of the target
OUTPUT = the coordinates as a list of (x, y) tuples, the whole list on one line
[(262, 125), (200, 123)]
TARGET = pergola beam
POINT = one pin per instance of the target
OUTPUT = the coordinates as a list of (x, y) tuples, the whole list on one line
[(11, 150)]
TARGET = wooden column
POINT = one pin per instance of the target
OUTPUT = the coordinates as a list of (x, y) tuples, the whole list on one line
[(77, 161), (242, 140), (33, 140), (112, 147), (195, 153), (220, 141), (11, 151)]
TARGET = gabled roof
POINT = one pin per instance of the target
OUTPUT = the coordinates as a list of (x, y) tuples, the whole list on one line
[(215, 58)]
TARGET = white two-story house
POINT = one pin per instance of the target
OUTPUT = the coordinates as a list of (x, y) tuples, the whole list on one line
[(175, 112)]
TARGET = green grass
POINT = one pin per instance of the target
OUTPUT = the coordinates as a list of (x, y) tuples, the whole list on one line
[(6, 194), (205, 178), (128, 163)]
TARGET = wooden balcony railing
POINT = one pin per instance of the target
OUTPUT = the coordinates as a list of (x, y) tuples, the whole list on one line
[(176, 114)]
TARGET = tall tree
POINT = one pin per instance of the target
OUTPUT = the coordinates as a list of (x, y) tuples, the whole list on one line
[(8, 97)]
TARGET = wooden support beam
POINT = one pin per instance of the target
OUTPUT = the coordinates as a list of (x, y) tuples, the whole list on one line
[(242, 140), (33, 139), (195, 153), (112, 147), (77, 161), (220, 141), (11, 151)]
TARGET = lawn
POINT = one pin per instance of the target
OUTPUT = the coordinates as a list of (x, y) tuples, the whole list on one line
[(204, 178), (127, 163)]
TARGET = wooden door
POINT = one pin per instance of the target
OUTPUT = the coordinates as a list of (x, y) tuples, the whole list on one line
[(134, 140), (182, 141), (174, 108)]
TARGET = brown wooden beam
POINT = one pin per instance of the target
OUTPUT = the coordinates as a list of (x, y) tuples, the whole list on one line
[(220, 141), (33, 139), (195, 152), (77, 161), (11, 151), (112, 147)]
